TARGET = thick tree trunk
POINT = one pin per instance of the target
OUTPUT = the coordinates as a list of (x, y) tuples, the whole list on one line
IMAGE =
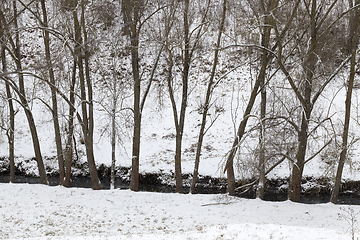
[(134, 182), (309, 69), (298, 167), (354, 34), (131, 11)]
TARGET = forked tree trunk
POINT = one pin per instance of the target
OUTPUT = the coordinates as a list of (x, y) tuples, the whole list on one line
[(185, 83), (86, 101), (309, 69), (90, 134)]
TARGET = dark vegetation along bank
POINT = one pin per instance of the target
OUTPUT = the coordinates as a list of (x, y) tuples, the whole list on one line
[(314, 190)]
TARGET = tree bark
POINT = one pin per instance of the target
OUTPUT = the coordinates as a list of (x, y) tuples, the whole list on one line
[(54, 110), (87, 118), (185, 83), (354, 35), (131, 11), (309, 69), (89, 138), (69, 140), (266, 7), (11, 130), (113, 128), (25, 104)]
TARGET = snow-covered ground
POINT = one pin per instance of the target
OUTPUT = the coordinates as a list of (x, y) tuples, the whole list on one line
[(43, 212)]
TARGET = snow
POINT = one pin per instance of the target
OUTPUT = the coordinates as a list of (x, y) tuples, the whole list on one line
[(43, 212)]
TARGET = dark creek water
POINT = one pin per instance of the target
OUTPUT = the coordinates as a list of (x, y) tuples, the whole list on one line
[(208, 185)]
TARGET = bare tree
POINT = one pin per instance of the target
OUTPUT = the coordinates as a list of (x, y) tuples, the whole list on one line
[(188, 45), (265, 10), (54, 109), (354, 41), (206, 106), (311, 37), (20, 88), (134, 16), (11, 129), (87, 124)]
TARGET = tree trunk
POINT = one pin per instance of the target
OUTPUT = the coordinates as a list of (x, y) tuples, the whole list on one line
[(89, 138), (69, 141), (24, 102), (113, 129), (58, 141), (354, 34), (298, 167), (265, 42), (184, 98), (131, 11), (309, 69), (87, 119), (229, 168), (261, 185), (10, 131), (207, 100)]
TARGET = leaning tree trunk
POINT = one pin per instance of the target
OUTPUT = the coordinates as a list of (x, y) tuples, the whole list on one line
[(207, 100), (87, 118), (25, 104), (354, 34), (309, 69), (229, 165), (58, 141)]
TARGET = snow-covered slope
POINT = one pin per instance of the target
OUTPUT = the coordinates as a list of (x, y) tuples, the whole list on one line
[(43, 212)]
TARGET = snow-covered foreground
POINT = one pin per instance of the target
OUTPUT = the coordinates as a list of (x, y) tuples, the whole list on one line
[(43, 212)]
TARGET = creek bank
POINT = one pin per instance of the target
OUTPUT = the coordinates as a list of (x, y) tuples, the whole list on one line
[(314, 190)]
